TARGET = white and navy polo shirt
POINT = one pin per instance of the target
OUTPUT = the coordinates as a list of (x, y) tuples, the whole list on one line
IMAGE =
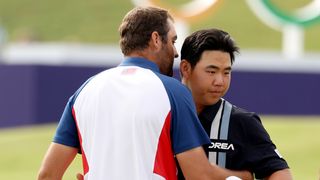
[(129, 122)]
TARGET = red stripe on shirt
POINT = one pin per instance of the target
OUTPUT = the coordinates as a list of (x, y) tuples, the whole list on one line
[(165, 165), (84, 158)]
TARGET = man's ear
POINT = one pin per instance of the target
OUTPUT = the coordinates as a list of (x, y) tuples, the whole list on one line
[(155, 40), (185, 68)]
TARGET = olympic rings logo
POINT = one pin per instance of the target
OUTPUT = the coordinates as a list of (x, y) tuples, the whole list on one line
[(265, 9), (275, 17), (290, 25), (189, 11)]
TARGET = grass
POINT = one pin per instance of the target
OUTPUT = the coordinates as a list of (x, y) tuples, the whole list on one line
[(297, 140), (97, 21), (22, 149)]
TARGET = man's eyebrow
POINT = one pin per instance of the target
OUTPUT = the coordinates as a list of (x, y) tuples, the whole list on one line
[(216, 67)]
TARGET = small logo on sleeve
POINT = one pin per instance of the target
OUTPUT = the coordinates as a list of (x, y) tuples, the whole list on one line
[(278, 153)]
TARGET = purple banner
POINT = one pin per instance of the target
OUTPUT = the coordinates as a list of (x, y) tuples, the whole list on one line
[(34, 94)]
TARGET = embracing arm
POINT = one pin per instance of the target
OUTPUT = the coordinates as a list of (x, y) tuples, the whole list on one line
[(195, 165), (56, 161), (244, 175)]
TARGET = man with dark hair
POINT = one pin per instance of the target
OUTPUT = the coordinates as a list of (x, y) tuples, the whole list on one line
[(134, 121), (238, 138)]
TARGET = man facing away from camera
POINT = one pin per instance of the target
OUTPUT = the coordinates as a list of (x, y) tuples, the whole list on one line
[(238, 138), (134, 121)]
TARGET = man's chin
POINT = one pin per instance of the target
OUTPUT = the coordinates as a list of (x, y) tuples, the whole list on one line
[(213, 101)]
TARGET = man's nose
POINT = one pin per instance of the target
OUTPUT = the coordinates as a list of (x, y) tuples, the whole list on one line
[(218, 79)]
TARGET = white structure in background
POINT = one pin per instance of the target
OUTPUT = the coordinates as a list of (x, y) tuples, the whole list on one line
[(61, 54), (292, 27), (110, 55)]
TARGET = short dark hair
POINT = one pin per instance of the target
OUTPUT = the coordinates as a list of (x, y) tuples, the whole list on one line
[(137, 26), (207, 39)]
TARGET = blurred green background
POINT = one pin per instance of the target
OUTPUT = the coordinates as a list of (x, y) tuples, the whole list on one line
[(97, 21)]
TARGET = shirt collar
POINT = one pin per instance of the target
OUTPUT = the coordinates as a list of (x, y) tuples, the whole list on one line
[(209, 112), (141, 62)]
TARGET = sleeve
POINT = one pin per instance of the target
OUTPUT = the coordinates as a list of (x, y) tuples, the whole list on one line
[(261, 153), (186, 130), (66, 132)]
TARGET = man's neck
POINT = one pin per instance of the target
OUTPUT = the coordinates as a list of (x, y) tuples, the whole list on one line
[(199, 108), (143, 54)]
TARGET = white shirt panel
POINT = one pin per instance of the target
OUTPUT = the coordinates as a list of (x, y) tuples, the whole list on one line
[(115, 107)]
